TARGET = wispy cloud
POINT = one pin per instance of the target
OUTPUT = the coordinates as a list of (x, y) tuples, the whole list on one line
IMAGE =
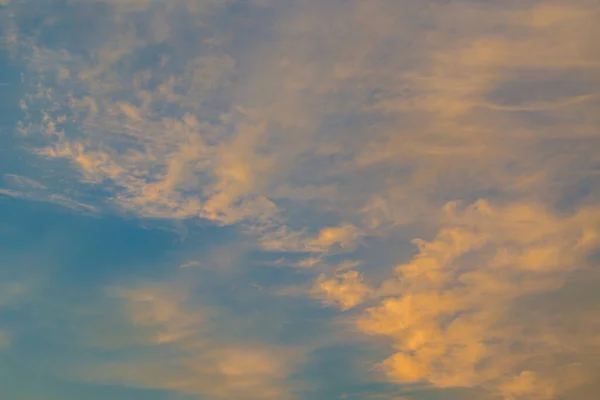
[(17, 186), (319, 131), (197, 359)]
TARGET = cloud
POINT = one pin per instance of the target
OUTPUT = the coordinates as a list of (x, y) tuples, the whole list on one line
[(27, 188), (346, 289), (323, 129), (457, 136), (344, 236), (448, 310), (190, 264), (4, 340), (231, 153), (329, 239), (192, 356)]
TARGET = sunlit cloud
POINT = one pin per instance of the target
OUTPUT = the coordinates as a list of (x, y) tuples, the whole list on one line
[(329, 136), (346, 289), (196, 358), (448, 311)]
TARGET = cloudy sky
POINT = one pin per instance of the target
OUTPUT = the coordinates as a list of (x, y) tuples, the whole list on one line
[(299, 199)]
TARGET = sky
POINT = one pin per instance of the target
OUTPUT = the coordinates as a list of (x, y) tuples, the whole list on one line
[(299, 199)]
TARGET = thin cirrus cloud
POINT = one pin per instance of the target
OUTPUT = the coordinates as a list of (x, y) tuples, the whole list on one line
[(319, 131), (192, 357)]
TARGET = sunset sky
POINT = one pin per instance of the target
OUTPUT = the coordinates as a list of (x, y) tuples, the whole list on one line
[(299, 200)]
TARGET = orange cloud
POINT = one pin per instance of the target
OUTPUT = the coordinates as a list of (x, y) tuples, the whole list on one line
[(196, 359), (446, 311), (346, 289), (361, 121)]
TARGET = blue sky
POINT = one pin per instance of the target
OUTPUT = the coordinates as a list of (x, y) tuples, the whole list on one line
[(289, 200)]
